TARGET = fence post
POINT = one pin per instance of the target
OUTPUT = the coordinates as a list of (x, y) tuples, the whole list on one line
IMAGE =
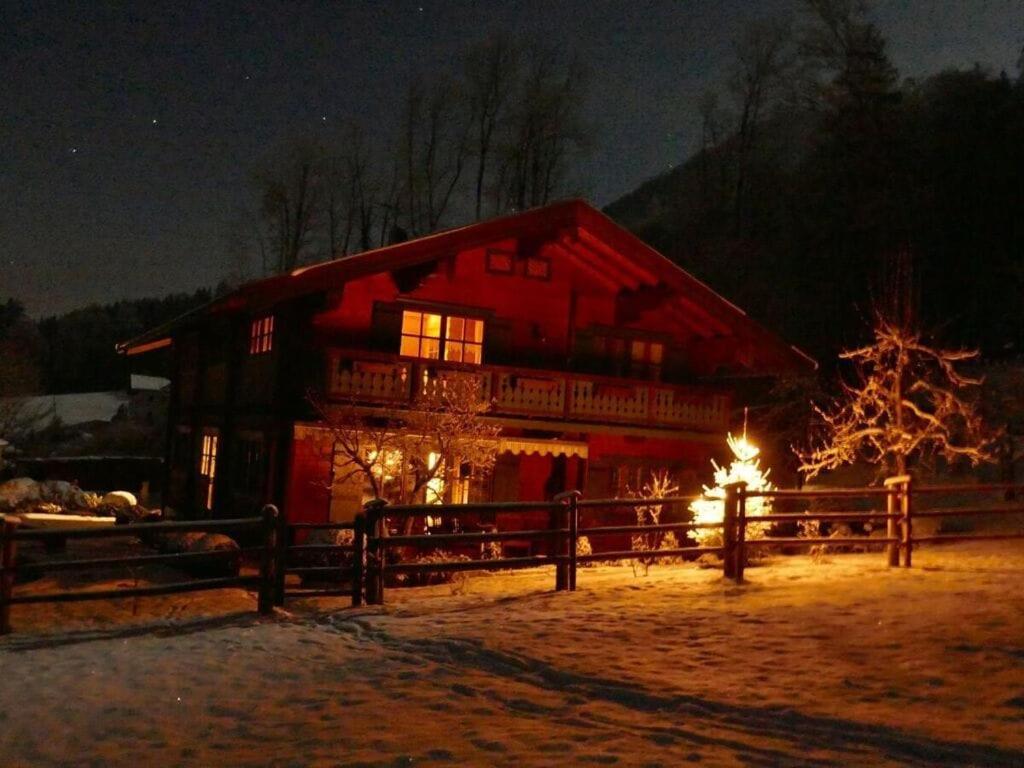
[(283, 540), (265, 602), (571, 519), (729, 531), (892, 525), (741, 531), (8, 553), (358, 554), (574, 535), (376, 528), (907, 520), (558, 543)]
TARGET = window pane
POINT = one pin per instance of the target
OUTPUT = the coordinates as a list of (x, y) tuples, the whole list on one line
[(638, 350), (453, 351), (474, 331), (432, 325), (410, 346), (471, 354), (411, 323), (455, 328), (430, 348), (657, 350)]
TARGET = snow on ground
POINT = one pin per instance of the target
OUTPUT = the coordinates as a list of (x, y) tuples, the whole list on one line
[(843, 663)]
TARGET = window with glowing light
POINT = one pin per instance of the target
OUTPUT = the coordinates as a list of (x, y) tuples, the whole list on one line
[(208, 465), (261, 335), (464, 340), (426, 334), (421, 335)]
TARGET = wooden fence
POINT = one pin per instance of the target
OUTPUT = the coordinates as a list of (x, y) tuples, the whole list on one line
[(364, 565), (267, 525), (898, 495)]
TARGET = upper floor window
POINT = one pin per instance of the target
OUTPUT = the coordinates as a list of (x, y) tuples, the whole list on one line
[(433, 336), (261, 335), (635, 356), (645, 358)]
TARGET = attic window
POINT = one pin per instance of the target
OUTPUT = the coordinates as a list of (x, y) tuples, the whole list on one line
[(500, 261), (538, 267), (261, 335)]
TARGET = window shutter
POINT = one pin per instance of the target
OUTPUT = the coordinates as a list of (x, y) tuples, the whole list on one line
[(497, 342), (387, 326)]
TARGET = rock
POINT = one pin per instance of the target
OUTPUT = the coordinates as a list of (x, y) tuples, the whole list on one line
[(119, 499), (171, 543), (225, 565), (57, 492), (18, 492), (82, 500)]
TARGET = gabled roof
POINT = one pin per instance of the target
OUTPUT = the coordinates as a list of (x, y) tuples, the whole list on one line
[(594, 242)]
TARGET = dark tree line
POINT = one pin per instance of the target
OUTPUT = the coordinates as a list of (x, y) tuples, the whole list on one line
[(75, 352), (497, 134), (826, 190)]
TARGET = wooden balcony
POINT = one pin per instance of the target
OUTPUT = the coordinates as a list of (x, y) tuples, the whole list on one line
[(371, 378)]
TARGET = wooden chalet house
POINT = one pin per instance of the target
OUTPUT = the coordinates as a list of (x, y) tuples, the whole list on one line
[(602, 359)]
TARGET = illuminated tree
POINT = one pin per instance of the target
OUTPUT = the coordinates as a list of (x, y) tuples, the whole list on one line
[(744, 468), (908, 402)]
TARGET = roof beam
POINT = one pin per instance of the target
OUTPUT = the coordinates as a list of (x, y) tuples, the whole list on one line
[(626, 264), (597, 275), (680, 317), (713, 322), (583, 253)]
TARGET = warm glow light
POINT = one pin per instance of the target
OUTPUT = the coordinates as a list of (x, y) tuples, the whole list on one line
[(745, 468)]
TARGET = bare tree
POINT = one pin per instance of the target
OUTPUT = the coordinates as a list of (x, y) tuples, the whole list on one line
[(660, 486), (763, 57), (545, 129), (351, 193), (490, 70), (291, 191), (442, 439), (435, 149), (908, 402)]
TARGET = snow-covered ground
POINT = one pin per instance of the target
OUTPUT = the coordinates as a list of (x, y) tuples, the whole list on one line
[(842, 663)]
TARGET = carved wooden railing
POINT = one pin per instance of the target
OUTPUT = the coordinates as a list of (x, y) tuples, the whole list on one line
[(377, 378)]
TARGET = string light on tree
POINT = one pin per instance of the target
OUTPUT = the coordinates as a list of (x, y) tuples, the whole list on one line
[(744, 468)]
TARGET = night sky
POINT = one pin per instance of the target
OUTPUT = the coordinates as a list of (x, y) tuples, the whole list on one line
[(128, 133)]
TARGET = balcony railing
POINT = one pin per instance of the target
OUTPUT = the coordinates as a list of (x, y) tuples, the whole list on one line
[(374, 378)]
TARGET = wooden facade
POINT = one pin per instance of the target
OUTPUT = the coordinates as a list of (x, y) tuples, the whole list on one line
[(602, 359)]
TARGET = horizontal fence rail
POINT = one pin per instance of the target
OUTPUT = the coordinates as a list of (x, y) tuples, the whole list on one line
[(898, 539), (360, 567), (11, 534)]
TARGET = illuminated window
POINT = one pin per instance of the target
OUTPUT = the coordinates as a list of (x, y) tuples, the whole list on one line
[(462, 340), (208, 465), (421, 334), (538, 267), (261, 335)]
